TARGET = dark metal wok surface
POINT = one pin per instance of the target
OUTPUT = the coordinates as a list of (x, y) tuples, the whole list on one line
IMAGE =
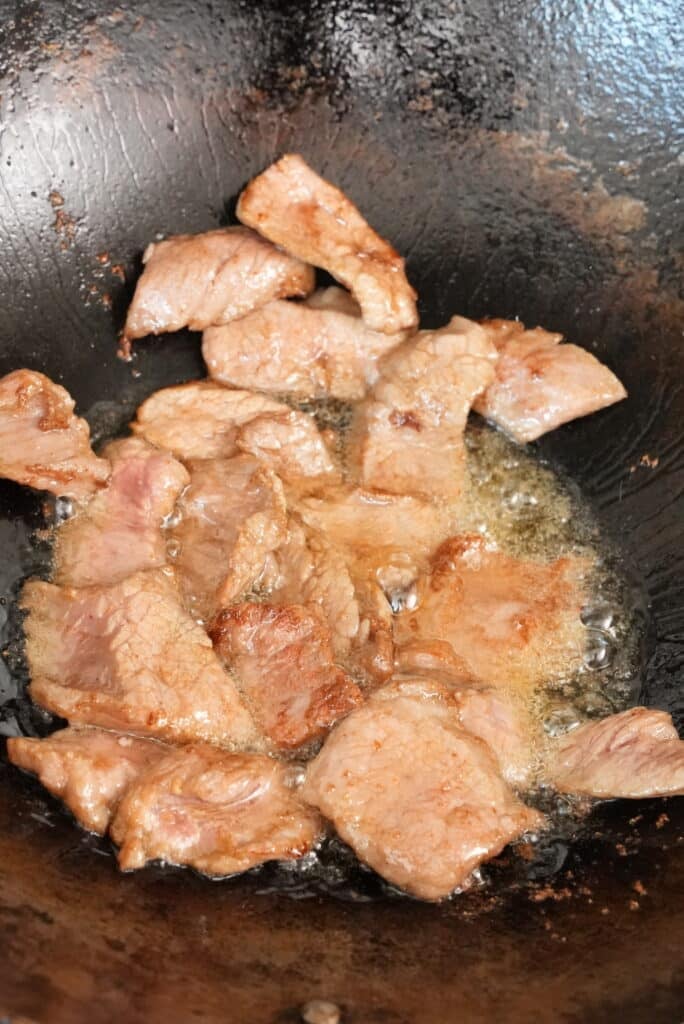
[(524, 157)]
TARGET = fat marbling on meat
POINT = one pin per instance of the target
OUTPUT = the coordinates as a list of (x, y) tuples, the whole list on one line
[(232, 517), (540, 384), (417, 797), (120, 530), (319, 348), (282, 656), (217, 811), (129, 657), (512, 622), (89, 769), (635, 754), (197, 280), (408, 436), (42, 443), (295, 208)]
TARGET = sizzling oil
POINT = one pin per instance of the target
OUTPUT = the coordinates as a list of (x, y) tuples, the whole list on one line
[(531, 512), (515, 500)]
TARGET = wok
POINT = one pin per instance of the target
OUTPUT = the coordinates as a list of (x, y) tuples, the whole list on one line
[(522, 156)]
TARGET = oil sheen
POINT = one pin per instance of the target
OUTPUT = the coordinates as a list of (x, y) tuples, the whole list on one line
[(528, 510)]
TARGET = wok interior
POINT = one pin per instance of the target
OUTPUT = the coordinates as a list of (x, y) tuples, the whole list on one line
[(495, 218)]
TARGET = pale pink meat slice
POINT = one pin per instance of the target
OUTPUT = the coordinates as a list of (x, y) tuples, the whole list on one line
[(408, 434), (89, 769), (503, 720), (219, 812), (129, 657), (540, 383), (232, 516), (120, 530), (386, 541), (309, 570), (417, 797), (291, 444), (197, 280), (512, 622), (372, 654), (319, 348), (200, 420), (385, 537), (506, 726), (283, 658), (203, 420), (42, 443), (295, 208), (323, 575), (635, 754)]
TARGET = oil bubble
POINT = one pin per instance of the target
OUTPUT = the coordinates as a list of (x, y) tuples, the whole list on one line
[(173, 548), (561, 720), (598, 616), (64, 509), (599, 651)]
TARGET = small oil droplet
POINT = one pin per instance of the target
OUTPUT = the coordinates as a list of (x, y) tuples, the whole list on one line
[(173, 548), (519, 501), (173, 519), (562, 720), (598, 616), (599, 651), (64, 509)]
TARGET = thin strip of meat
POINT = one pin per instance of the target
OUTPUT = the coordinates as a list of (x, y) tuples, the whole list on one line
[(203, 420), (310, 571), (505, 725), (635, 754), (120, 530), (408, 436), (291, 444), (385, 541), (129, 657), (503, 720), (197, 280), (283, 657), (218, 812), (319, 348), (321, 574), (372, 654), (513, 622), (199, 420), (385, 537), (294, 207), (232, 517), (42, 443), (541, 384), (417, 797), (89, 769)]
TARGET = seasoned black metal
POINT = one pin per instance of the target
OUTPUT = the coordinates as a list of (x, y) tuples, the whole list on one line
[(523, 156)]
